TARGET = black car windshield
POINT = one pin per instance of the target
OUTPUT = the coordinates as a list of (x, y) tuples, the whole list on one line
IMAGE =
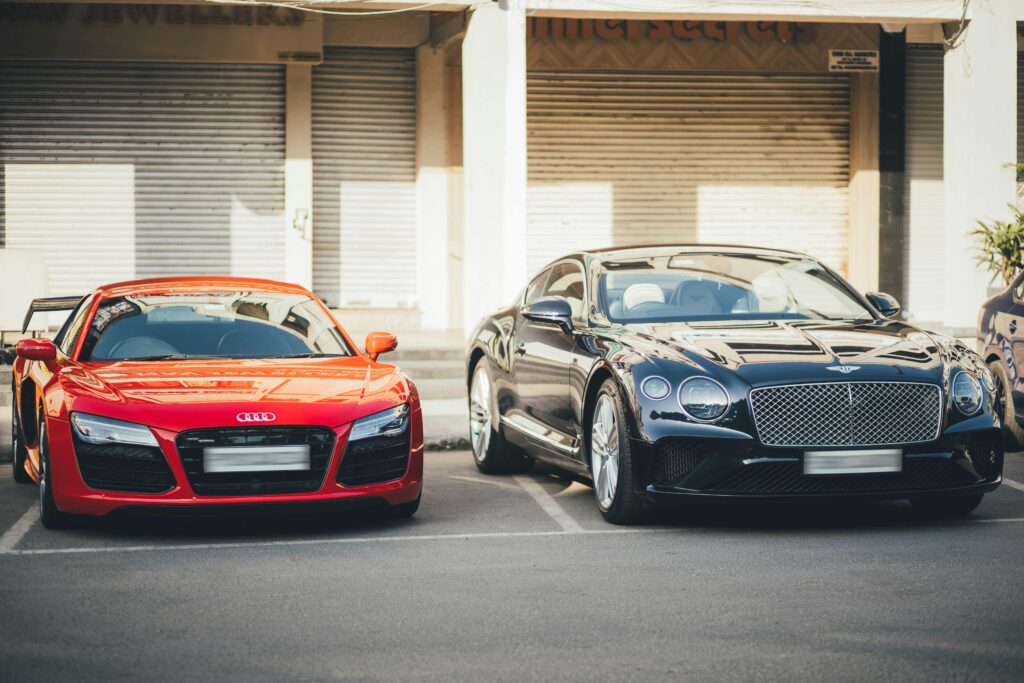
[(211, 325), (712, 286)]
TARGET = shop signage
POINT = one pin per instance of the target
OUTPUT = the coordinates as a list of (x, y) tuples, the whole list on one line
[(96, 14), (853, 60), (635, 29)]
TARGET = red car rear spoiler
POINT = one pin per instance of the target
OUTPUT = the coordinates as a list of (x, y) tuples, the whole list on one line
[(53, 303)]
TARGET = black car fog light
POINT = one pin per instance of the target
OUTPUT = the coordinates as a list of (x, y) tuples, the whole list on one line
[(655, 388)]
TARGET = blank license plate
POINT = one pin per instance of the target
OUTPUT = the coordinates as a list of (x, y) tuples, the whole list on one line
[(853, 462), (255, 458)]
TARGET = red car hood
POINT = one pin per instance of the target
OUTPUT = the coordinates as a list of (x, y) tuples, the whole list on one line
[(178, 395)]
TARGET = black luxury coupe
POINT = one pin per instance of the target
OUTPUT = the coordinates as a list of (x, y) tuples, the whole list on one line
[(672, 373)]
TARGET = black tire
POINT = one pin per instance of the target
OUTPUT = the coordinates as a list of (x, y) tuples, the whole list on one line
[(948, 507), (491, 452), (51, 517), (1013, 434), (18, 450), (626, 505)]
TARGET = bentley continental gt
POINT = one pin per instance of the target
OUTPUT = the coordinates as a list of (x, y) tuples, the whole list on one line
[(663, 374)]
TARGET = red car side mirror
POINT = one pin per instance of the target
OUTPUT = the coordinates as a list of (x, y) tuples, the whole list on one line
[(36, 349), (380, 342)]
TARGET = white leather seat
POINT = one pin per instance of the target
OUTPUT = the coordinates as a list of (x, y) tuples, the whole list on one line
[(642, 293)]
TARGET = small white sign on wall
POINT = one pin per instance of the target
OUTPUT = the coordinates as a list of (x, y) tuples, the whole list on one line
[(864, 61)]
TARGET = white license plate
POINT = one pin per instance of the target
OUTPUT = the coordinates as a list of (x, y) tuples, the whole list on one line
[(853, 461), (255, 458)]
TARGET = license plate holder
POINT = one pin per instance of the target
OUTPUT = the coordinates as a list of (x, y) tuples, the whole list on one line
[(226, 459), (854, 461)]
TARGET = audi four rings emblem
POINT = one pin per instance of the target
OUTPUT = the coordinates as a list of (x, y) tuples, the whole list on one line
[(255, 417)]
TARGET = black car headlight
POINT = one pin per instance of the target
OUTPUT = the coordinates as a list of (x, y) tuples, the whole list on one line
[(105, 430), (655, 387), (966, 393), (703, 399), (390, 422)]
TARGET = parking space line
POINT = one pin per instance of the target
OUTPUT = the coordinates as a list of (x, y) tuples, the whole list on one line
[(490, 482), (549, 505), (320, 541), (13, 536), (1013, 484)]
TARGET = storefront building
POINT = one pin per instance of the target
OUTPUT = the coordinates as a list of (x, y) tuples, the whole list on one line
[(412, 168)]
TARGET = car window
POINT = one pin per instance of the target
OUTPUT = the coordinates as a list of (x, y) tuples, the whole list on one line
[(211, 325), (71, 330), (716, 286), (567, 282), (536, 287)]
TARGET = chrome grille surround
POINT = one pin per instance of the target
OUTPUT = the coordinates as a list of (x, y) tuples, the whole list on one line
[(847, 414)]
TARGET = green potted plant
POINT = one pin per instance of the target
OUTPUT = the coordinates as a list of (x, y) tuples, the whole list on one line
[(1001, 246)]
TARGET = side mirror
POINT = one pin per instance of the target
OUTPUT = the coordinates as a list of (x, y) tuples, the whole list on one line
[(36, 349), (885, 303), (552, 310), (380, 342)]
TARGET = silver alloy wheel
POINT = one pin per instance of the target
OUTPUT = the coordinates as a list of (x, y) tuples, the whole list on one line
[(604, 451), (480, 413)]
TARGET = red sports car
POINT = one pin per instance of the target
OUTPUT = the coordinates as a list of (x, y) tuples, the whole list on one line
[(206, 393)]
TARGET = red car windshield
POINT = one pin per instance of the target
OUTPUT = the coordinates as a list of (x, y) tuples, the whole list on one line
[(211, 325)]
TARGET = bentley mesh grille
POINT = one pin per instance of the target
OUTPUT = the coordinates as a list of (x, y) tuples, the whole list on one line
[(847, 414)]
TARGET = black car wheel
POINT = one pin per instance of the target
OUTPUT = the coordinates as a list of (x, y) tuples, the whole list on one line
[(1013, 434), (491, 453), (51, 517), (954, 506), (20, 453), (611, 460)]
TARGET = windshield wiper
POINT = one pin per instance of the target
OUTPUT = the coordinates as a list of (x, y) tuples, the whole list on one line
[(165, 356), (312, 354)]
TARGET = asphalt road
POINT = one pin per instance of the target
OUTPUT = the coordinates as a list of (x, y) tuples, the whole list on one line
[(518, 579)]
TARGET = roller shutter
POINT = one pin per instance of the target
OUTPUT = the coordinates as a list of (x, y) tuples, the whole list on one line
[(644, 157), (923, 250), (122, 170), (364, 172)]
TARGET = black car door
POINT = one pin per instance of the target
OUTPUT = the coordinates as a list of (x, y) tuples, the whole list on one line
[(541, 357)]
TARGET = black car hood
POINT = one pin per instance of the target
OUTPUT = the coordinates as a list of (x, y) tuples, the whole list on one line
[(771, 351)]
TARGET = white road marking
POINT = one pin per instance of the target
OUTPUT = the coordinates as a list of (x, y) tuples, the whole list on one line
[(1013, 484), (549, 505), (490, 482), (318, 541), (13, 536), (1000, 520)]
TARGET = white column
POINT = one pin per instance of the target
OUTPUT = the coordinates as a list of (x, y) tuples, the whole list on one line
[(494, 158), (298, 175), (979, 148), (431, 188)]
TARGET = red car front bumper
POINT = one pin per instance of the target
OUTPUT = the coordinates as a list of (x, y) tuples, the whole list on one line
[(72, 495)]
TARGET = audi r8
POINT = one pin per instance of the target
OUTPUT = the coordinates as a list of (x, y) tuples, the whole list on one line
[(680, 373), (210, 394)]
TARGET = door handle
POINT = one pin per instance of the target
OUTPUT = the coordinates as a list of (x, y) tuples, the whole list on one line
[(521, 349), (1013, 326)]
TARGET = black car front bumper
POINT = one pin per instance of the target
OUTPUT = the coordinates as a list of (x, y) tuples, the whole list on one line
[(674, 470)]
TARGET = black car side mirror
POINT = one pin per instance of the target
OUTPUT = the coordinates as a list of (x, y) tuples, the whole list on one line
[(551, 310), (885, 303)]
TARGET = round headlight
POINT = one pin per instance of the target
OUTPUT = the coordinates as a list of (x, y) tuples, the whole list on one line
[(655, 388), (703, 399), (966, 393), (988, 380)]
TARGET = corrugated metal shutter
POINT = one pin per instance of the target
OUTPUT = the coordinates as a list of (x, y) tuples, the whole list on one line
[(923, 246), (364, 177), (121, 170), (640, 157)]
